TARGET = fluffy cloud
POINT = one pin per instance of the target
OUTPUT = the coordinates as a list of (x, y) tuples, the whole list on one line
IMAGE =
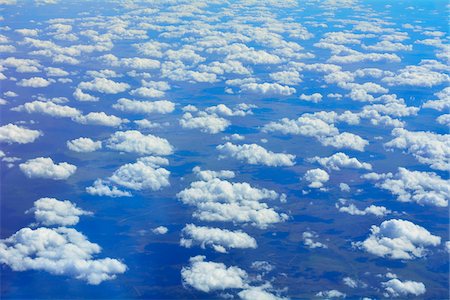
[(134, 106), (378, 211), (424, 188), (34, 82), (84, 145), (99, 118), (59, 251), (255, 154), (43, 167), (205, 122), (209, 276), (99, 188), (442, 103), (48, 108), (308, 240), (135, 142), (316, 97), (271, 89), (330, 294), (417, 76), (50, 211), (252, 293), (221, 200), (11, 133), (81, 96), (316, 178), (160, 230), (103, 85), (219, 239), (398, 288), (206, 175), (340, 160), (398, 239), (427, 147), (345, 140)]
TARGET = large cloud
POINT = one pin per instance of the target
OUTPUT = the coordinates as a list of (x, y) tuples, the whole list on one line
[(208, 123), (84, 145), (397, 288), (135, 142), (44, 167), (11, 133), (398, 239), (255, 154), (51, 211), (219, 239)]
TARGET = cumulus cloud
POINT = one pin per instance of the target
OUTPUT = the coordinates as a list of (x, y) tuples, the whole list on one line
[(48, 108), (160, 230), (271, 89), (51, 211), (34, 82), (99, 118), (59, 251), (308, 240), (427, 147), (345, 140), (146, 107), (209, 276), (224, 201), (206, 175), (315, 98), (100, 188), (84, 145), (331, 294), (44, 167), (417, 76), (104, 85), (221, 240), (378, 211), (135, 142), (443, 101), (208, 123), (316, 178), (255, 154), (340, 160), (11, 133), (81, 96), (398, 288), (398, 239)]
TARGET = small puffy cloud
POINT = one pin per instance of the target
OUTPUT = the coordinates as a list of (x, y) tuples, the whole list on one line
[(56, 72), (444, 120), (241, 110), (147, 92), (330, 294), (442, 103), (255, 154), (340, 160), (363, 57), (206, 175), (11, 133), (50, 211), (427, 147), (316, 178), (146, 107), (316, 97), (398, 288), (209, 276), (160, 230), (398, 239), (34, 82), (145, 174), (99, 118), (59, 251), (103, 85), (100, 188), (220, 240), (417, 76), (135, 142), (208, 123), (424, 188), (259, 293), (308, 240), (378, 211), (84, 145), (48, 108), (44, 167), (81, 96), (271, 89)]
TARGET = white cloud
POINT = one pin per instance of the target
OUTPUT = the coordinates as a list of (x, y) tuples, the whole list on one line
[(316, 178), (206, 175), (340, 160), (99, 118), (378, 211), (205, 122), (443, 101), (315, 98), (444, 120), (427, 147), (398, 239), (398, 288), (48, 108), (11, 133), (147, 92), (255, 154), (134, 106), (43, 167), (271, 89), (59, 251), (99, 188), (330, 294), (363, 57), (345, 140), (259, 293), (103, 85), (209, 276), (308, 240), (135, 142), (417, 76), (51, 211), (160, 230), (81, 96), (145, 174), (34, 82), (220, 240), (84, 145)]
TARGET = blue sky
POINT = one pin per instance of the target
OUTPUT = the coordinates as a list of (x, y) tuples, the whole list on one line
[(214, 149)]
